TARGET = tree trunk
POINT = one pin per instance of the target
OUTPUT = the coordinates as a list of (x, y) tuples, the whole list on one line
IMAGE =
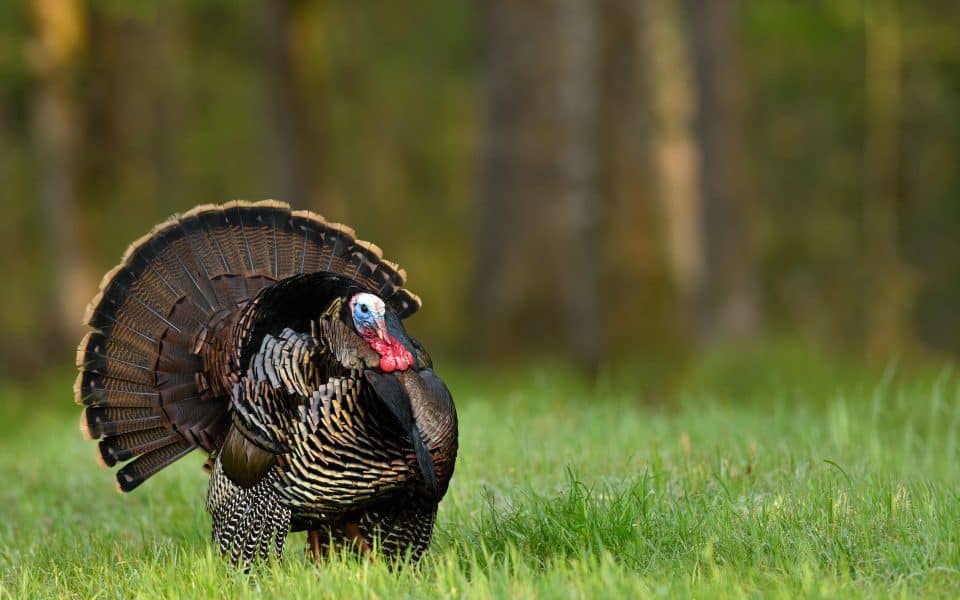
[(727, 302), (516, 169), (670, 91), (288, 135), (577, 106), (121, 118), (888, 288), (632, 250), (170, 92), (538, 248), (59, 38)]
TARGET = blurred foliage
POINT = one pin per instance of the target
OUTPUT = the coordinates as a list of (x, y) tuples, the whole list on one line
[(172, 102), (806, 129)]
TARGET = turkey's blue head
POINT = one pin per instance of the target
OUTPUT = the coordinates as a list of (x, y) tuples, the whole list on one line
[(381, 329)]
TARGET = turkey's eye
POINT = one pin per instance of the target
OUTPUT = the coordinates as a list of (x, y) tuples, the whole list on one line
[(364, 309)]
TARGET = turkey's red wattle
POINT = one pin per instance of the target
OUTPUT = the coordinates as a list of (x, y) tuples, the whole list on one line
[(393, 355)]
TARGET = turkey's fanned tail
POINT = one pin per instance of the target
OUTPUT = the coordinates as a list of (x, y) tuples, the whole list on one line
[(149, 396)]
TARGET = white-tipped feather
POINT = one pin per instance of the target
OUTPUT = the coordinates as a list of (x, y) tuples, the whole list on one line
[(88, 312), (133, 247), (237, 204), (272, 204), (401, 274), (310, 216), (370, 247), (196, 210), (82, 349), (84, 428), (77, 392), (416, 299), (100, 460), (344, 229)]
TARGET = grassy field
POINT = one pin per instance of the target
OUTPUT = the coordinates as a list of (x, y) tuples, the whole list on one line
[(752, 477)]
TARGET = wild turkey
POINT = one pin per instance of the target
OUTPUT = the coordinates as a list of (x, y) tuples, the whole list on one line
[(272, 340)]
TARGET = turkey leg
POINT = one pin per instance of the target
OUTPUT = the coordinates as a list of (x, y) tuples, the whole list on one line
[(313, 545), (352, 531)]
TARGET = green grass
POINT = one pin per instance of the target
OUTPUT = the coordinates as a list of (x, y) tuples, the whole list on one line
[(754, 477)]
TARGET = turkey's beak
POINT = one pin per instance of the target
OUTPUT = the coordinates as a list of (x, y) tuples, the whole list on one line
[(381, 329)]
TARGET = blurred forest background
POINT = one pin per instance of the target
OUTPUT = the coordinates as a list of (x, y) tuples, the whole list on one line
[(566, 178)]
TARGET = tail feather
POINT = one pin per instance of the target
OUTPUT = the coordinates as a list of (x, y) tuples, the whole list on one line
[(117, 362), (258, 234), (135, 333), (205, 264), (336, 239), (93, 389), (141, 291), (137, 471), (288, 242), (175, 260), (222, 238), (100, 421), (141, 378), (119, 448), (405, 303)]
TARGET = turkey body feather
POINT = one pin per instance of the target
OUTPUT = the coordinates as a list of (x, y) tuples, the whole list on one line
[(230, 329)]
